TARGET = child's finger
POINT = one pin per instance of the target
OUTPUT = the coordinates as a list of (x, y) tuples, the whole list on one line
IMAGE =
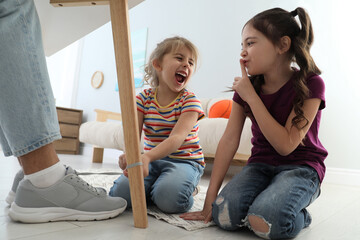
[(235, 83), (195, 216), (125, 172), (243, 69)]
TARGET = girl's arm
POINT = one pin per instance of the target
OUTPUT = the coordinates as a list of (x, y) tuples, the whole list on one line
[(225, 152), (284, 139), (181, 130), (122, 157), (140, 122)]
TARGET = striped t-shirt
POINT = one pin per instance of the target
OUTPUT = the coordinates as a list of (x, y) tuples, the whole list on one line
[(160, 120)]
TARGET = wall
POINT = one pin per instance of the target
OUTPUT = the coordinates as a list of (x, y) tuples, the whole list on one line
[(215, 27)]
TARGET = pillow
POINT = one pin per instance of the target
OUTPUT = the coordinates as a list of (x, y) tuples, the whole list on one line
[(221, 109)]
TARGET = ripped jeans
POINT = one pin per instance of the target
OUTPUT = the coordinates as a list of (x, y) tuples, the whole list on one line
[(277, 194)]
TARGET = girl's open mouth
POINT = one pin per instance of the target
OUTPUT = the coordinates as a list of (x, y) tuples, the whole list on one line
[(180, 77)]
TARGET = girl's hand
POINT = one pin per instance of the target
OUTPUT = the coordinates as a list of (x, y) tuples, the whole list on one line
[(145, 160), (242, 85), (123, 164), (204, 215)]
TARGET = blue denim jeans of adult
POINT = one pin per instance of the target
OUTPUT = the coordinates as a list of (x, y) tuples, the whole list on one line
[(28, 117), (169, 185), (277, 194)]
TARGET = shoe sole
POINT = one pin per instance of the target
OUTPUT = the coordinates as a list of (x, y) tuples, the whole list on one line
[(54, 214), (10, 197)]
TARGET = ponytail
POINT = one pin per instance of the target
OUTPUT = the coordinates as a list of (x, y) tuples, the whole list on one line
[(301, 47)]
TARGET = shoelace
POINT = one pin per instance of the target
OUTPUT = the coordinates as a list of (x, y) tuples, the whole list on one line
[(84, 183)]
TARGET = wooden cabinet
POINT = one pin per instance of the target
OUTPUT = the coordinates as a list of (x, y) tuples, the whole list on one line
[(69, 120)]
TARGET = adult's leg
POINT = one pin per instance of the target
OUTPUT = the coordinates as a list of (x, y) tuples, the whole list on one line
[(39, 159), (28, 117), (28, 124)]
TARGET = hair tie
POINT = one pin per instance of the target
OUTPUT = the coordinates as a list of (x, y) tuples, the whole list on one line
[(294, 13)]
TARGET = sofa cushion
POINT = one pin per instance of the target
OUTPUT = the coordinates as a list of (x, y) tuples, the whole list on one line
[(211, 131), (104, 135), (110, 135)]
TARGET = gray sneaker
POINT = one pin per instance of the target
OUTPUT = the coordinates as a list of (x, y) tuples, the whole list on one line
[(11, 196), (69, 199), (20, 176)]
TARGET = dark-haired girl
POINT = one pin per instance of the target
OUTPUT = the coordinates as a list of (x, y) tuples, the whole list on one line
[(282, 93)]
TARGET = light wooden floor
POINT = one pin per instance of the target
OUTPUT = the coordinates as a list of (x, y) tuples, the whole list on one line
[(335, 216)]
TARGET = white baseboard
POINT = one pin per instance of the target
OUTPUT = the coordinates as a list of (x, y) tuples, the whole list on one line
[(342, 176)]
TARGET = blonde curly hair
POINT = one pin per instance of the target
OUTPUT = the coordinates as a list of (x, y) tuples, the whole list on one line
[(167, 46)]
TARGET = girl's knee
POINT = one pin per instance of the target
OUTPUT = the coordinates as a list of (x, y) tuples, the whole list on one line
[(172, 197), (221, 214), (259, 226), (121, 189), (173, 208), (173, 203), (267, 227)]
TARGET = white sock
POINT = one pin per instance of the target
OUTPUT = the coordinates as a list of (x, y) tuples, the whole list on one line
[(48, 176)]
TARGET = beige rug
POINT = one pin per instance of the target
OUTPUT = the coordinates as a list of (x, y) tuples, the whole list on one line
[(105, 177)]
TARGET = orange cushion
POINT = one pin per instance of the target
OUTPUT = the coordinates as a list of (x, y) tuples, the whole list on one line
[(221, 109)]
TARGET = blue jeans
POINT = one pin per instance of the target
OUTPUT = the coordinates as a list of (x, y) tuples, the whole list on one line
[(169, 186), (278, 195), (28, 118)]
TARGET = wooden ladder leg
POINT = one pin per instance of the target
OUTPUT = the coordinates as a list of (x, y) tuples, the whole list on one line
[(125, 75)]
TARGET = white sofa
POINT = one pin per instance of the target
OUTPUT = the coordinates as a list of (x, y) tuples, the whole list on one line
[(108, 134)]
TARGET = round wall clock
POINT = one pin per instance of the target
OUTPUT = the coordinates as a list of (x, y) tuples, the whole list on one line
[(97, 79)]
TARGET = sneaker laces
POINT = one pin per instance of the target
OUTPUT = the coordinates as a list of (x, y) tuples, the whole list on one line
[(81, 181)]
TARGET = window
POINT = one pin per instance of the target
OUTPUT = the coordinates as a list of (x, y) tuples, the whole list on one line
[(63, 68)]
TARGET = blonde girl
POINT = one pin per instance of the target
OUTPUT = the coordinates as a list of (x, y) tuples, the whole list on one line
[(168, 114)]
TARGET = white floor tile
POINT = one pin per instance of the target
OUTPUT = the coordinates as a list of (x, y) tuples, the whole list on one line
[(12, 230)]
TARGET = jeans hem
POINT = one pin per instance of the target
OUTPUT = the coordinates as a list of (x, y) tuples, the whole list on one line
[(34, 146)]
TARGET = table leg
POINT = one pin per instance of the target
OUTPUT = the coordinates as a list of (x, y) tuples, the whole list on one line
[(125, 75)]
